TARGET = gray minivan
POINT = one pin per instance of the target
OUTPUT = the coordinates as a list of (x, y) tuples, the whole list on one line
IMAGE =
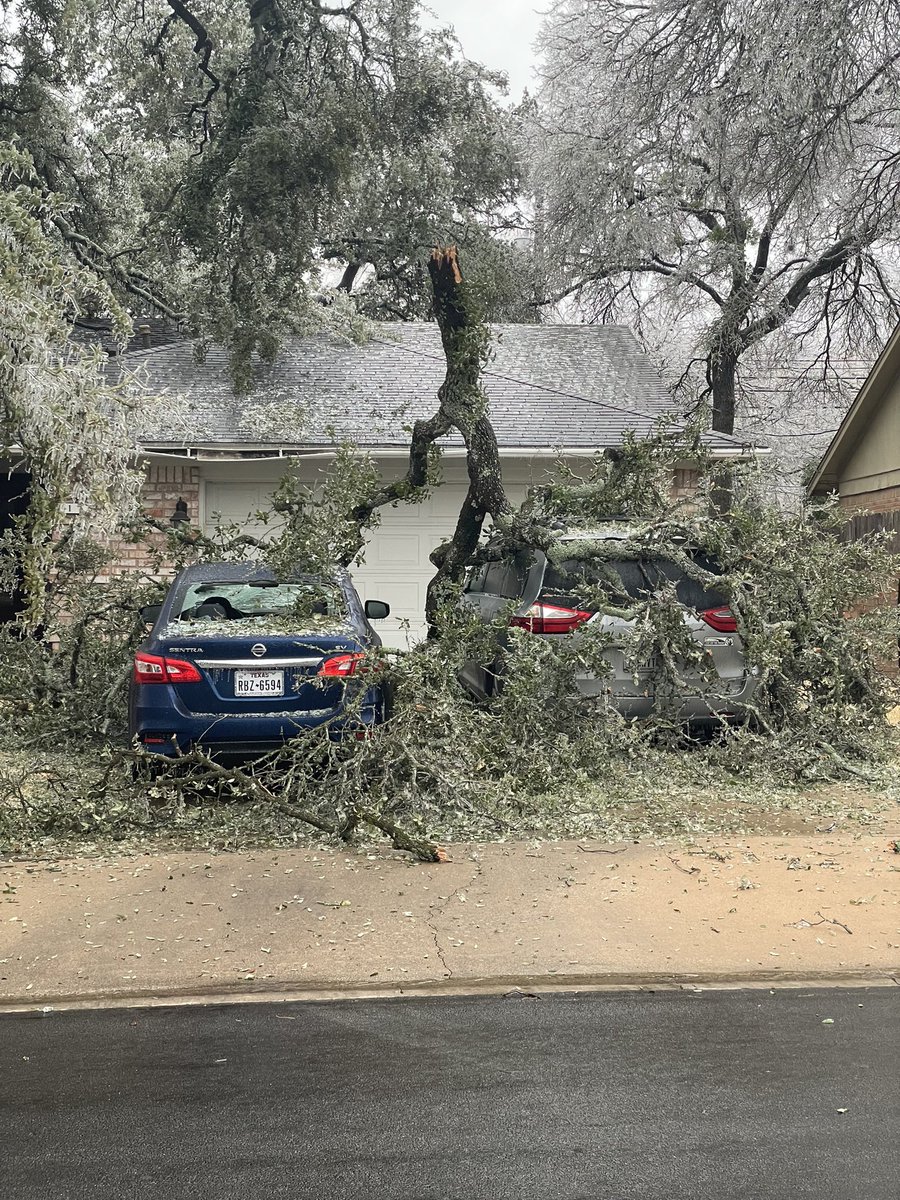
[(552, 600)]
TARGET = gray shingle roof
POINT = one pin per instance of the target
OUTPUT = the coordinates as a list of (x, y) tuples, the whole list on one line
[(579, 386), (150, 331)]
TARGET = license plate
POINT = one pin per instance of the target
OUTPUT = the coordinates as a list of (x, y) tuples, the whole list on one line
[(259, 683), (648, 665)]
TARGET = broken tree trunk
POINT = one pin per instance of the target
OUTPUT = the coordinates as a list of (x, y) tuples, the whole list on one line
[(465, 338), (462, 405)]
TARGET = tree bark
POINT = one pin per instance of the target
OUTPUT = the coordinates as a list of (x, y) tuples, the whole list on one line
[(721, 377), (465, 339), (462, 405), (348, 278), (451, 558)]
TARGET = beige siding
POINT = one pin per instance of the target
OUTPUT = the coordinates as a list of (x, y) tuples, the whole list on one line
[(874, 462)]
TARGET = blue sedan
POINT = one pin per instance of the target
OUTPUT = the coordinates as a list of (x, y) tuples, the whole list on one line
[(238, 662)]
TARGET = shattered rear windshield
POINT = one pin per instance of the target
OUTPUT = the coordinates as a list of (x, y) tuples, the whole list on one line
[(312, 601)]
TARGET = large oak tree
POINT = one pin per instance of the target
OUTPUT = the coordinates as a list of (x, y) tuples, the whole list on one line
[(242, 168), (732, 165)]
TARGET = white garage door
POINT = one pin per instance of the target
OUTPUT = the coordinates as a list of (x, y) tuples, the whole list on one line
[(396, 566)]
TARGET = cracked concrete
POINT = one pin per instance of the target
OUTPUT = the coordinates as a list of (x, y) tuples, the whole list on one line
[(558, 913), (430, 921)]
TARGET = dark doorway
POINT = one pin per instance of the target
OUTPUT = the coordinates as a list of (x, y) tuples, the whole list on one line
[(14, 493)]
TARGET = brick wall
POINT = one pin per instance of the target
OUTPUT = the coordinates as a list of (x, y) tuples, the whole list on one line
[(165, 483), (884, 500)]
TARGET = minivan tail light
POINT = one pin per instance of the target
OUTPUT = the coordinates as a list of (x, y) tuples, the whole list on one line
[(153, 668), (551, 618), (342, 666), (721, 619)]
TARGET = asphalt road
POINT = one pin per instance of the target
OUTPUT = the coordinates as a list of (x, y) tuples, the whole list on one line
[(717, 1095)]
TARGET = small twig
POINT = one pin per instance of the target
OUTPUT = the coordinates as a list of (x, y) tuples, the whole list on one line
[(585, 850), (804, 924), (683, 870)]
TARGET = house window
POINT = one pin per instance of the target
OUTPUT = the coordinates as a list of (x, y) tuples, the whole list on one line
[(684, 481)]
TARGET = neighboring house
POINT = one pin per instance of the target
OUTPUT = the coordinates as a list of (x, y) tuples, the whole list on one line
[(796, 410), (555, 391), (862, 463)]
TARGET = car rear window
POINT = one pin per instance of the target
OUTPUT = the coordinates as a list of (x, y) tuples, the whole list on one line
[(241, 600), (506, 579), (630, 579)]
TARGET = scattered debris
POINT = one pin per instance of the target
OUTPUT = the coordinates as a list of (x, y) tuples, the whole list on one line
[(684, 870), (804, 924), (797, 864)]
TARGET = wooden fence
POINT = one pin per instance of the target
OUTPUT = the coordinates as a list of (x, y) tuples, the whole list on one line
[(865, 523)]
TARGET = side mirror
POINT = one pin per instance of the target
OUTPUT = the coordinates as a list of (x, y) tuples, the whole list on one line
[(150, 613), (377, 610)]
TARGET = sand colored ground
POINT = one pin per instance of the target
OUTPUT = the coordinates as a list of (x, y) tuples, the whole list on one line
[(562, 913)]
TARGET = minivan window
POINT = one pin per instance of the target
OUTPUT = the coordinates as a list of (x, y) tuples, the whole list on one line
[(506, 579), (630, 579)]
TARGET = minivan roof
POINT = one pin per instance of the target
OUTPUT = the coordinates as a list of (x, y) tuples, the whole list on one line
[(621, 533)]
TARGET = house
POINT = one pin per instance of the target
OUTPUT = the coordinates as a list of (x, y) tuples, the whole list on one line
[(862, 463), (795, 409), (555, 391)]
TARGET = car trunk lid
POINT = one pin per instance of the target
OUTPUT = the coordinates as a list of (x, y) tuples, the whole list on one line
[(567, 589), (265, 673)]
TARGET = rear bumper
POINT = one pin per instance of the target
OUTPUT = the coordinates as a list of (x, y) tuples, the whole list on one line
[(630, 699), (728, 699), (161, 725)]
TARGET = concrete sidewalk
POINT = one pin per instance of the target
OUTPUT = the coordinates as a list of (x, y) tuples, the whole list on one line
[(554, 914)]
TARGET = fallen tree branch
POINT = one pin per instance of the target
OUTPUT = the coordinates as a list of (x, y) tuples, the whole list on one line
[(421, 848)]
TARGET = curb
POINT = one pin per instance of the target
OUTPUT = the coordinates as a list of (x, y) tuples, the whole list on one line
[(511, 986)]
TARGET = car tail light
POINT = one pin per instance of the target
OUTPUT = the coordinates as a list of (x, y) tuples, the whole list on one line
[(551, 618), (180, 671), (152, 668), (721, 619), (342, 666), (149, 668)]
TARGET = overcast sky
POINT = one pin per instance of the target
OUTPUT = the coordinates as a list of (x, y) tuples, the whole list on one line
[(498, 33)]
